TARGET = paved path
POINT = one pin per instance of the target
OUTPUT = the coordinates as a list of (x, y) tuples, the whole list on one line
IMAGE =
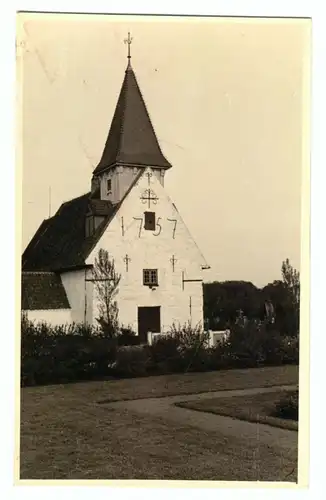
[(261, 433)]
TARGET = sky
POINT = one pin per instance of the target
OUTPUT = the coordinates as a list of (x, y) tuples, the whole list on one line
[(226, 99)]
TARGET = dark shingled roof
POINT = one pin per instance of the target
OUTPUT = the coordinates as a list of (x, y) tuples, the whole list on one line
[(131, 138), (100, 207), (60, 242), (43, 291)]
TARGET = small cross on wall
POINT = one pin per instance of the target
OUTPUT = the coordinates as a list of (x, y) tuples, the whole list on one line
[(127, 259), (173, 260)]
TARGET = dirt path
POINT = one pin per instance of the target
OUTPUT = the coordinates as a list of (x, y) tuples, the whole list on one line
[(257, 432)]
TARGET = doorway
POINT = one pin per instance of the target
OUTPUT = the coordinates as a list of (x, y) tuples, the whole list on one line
[(149, 320)]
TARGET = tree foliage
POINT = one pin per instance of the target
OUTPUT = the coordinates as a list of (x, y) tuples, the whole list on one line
[(278, 302), (291, 280), (106, 284), (223, 302)]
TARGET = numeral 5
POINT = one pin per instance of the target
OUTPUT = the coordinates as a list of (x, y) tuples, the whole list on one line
[(159, 226)]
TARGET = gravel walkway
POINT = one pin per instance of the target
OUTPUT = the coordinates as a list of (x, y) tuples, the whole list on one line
[(261, 433)]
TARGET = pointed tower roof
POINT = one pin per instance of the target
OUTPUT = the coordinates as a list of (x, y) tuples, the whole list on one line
[(131, 139)]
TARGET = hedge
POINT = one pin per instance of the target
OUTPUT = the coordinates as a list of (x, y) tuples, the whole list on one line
[(71, 353)]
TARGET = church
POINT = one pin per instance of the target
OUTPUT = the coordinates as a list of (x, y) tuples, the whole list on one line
[(128, 213)]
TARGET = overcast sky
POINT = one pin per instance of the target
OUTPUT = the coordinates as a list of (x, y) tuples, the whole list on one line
[(225, 97)]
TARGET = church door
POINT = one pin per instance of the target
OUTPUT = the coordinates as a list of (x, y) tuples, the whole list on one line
[(149, 320)]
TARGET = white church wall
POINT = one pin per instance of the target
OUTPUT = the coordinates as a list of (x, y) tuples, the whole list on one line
[(121, 179), (126, 236), (80, 295), (53, 317), (159, 174), (126, 176), (105, 194), (194, 292), (173, 299)]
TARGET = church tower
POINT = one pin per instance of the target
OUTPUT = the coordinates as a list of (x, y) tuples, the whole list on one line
[(129, 214), (131, 145)]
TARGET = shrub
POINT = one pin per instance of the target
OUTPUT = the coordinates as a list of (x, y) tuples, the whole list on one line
[(254, 343), (189, 337), (182, 348), (288, 407), (76, 352), (131, 361), (63, 353), (290, 350), (165, 354), (198, 360), (127, 337), (221, 356)]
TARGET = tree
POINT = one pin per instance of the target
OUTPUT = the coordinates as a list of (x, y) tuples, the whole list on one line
[(284, 295), (223, 300), (106, 283), (275, 296), (291, 281)]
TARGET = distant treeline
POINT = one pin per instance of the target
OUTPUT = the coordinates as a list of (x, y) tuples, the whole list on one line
[(225, 301)]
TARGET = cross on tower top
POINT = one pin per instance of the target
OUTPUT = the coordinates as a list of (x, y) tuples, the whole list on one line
[(128, 41)]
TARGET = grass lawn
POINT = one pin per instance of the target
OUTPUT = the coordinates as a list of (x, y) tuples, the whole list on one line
[(66, 434), (254, 408)]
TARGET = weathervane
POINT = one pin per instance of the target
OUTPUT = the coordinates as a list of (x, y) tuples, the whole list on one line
[(128, 41)]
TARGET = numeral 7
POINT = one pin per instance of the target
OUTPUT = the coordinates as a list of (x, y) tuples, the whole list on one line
[(140, 225), (174, 227)]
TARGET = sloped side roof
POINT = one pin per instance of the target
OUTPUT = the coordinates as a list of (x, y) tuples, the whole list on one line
[(131, 138), (43, 291), (60, 242), (100, 207)]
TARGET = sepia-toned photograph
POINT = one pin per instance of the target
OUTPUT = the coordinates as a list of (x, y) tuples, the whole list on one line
[(162, 170)]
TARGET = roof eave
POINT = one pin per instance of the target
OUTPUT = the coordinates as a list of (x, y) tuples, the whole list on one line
[(101, 169), (77, 267)]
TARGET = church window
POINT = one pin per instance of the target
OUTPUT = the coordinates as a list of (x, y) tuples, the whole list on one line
[(109, 185), (150, 221), (89, 226), (150, 277)]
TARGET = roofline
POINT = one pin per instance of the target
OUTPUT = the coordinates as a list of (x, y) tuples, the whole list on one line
[(47, 309), (204, 266), (99, 170), (78, 267), (38, 272), (111, 217)]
